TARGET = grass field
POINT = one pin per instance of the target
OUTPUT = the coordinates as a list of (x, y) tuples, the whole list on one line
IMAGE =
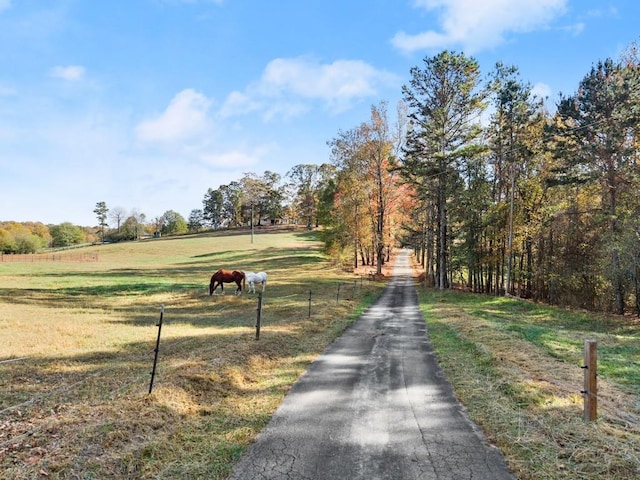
[(78, 343), (516, 367)]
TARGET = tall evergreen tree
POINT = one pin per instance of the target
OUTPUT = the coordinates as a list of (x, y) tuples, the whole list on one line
[(511, 140), (101, 212), (445, 100), (597, 128)]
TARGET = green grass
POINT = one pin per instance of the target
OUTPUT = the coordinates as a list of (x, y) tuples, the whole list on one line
[(516, 367), (561, 333), (77, 405)]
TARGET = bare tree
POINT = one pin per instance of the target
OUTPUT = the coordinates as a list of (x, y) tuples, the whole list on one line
[(117, 216)]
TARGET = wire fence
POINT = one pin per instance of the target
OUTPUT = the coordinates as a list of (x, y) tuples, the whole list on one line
[(48, 257)]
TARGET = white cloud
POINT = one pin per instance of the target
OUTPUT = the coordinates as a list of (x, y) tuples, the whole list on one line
[(475, 25), (69, 72), (541, 90), (186, 118), (286, 110), (239, 103), (610, 10), (288, 84), (311, 80), (235, 159), (185, 130), (574, 29)]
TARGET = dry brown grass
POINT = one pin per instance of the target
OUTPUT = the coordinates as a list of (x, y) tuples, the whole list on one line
[(78, 345), (527, 398)]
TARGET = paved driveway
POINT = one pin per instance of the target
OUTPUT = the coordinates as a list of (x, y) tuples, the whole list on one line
[(374, 405)]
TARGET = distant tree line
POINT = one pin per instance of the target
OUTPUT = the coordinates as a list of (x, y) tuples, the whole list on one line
[(256, 199), (29, 237), (116, 225)]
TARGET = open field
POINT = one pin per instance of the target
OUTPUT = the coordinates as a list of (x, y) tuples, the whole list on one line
[(77, 340), (77, 343), (516, 367)]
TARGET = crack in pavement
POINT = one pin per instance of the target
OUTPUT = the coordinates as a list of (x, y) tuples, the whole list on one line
[(374, 405)]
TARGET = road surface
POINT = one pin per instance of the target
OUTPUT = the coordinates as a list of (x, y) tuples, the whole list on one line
[(374, 405)]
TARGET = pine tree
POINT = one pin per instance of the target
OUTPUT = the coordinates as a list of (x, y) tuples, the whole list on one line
[(597, 127), (101, 211), (444, 100)]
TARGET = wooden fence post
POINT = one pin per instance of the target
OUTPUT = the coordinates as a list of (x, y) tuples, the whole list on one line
[(590, 391)]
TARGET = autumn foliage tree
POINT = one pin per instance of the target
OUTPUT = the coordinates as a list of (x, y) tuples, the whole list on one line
[(367, 188), (26, 237)]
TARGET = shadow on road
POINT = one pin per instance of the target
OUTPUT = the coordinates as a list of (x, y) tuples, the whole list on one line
[(375, 405)]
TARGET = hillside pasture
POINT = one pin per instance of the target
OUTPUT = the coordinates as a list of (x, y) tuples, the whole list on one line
[(78, 342)]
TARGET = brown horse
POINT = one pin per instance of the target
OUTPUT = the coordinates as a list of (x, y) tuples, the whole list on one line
[(227, 276)]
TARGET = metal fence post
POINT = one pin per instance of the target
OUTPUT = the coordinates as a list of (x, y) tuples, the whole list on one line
[(259, 316), (157, 349)]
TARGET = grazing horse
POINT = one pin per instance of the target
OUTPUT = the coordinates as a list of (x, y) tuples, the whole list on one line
[(253, 278), (227, 276)]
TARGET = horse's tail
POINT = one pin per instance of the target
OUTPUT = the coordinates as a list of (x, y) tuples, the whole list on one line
[(244, 282)]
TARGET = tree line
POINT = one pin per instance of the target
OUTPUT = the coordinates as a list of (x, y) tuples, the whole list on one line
[(495, 192), (252, 200), (29, 237)]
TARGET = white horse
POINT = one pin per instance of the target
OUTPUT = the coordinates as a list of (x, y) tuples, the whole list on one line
[(253, 278)]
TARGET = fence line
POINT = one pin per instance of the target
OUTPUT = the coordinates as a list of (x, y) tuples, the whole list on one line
[(48, 257)]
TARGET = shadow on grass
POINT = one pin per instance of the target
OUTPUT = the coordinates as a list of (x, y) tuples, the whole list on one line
[(203, 385), (183, 278), (501, 309), (560, 333), (103, 372)]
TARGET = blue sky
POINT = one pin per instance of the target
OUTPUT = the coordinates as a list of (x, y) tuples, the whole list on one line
[(145, 104)]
